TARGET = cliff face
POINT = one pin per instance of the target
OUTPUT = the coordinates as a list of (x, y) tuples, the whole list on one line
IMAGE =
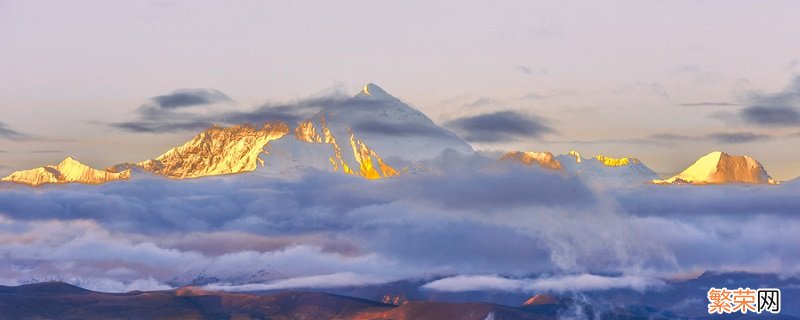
[(68, 170), (216, 151), (354, 158)]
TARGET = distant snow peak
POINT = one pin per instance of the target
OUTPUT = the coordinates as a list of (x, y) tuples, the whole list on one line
[(605, 160), (576, 155), (68, 170), (604, 170), (615, 162), (719, 168), (543, 159), (373, 90)]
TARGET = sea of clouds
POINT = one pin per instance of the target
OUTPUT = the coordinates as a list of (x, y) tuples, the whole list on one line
[(470, 224)]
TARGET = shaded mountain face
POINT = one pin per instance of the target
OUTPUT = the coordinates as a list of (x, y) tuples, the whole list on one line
[(607, 170), (372, 135), (390, 126), (719, 168), (68, 170)]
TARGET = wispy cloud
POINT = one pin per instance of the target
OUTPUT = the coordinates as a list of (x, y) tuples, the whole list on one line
[(718, 137), (566, 283), (708, 104), (189, 97), (334, 280), (738, 137), (170, 113), (11, 134), (781, 109), (481, 102), (653, 88), (528, 71), (500, 126)]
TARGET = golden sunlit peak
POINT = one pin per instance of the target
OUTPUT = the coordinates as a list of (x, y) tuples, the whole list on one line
[(373, 90), (575, 154), (67, 171), (544, 159), (719, 167), (615, 162)]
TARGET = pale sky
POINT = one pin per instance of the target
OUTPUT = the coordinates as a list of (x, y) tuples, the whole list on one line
[(605, 76)]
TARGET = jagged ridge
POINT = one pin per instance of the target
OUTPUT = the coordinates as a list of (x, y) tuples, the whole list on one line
[(216, 151), (68, 170)]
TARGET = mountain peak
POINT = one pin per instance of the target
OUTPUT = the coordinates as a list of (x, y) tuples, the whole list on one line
[(718, 167), (217, 150), (544, 159), (576, 155), (615, 162), (374, 91), (69, 161), (67, 171)]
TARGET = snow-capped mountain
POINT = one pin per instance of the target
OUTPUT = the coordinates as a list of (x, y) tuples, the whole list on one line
[(719, 167), (543, 159), (215, 151), (67, 171), (607, 170), (372, 134), (391, 127)]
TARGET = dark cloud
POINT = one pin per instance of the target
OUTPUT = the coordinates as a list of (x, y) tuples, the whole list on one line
[(771, 115), (707, 104), (161, 127), (170, 112), (500, 126), (719, 137), (669, 136), (189, 97), (11, 134), (777, 109), (291, 113), (154, 119), (737, 137)]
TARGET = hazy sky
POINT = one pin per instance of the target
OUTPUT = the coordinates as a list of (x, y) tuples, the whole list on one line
[(664, 81)]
